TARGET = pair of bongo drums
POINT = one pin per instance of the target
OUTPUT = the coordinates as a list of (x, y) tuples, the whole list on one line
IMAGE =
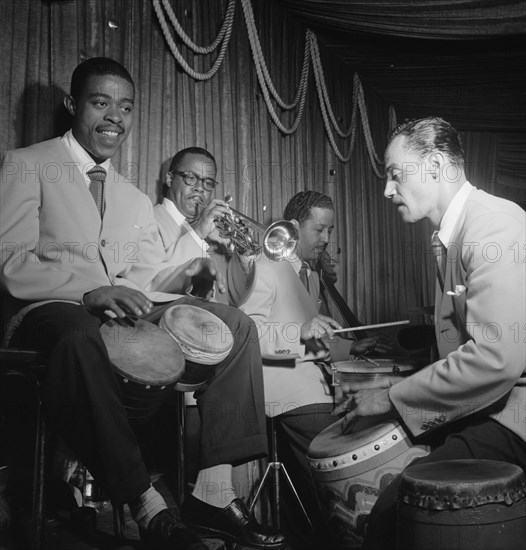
[(149, 360)]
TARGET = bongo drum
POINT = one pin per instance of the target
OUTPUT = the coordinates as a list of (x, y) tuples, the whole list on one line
[(462, 505), (350, 471), (147, 362), (359, 371), (204, 338)]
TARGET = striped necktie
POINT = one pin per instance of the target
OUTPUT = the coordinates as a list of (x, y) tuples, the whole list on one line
[(440, 252), (97, 177)]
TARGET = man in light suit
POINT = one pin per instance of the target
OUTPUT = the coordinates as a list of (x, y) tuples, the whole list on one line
[(473, 399), (70, 261), (187, 225), (285, 306)]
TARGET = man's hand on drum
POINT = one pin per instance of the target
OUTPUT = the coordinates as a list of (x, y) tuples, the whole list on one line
[(371, 344), (205, 225), (207, 269), (319, 327), (118, 301), (372, 401)]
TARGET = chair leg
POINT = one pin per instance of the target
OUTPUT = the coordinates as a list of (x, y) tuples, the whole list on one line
[(180, 427), (119, 523), (38, 481)]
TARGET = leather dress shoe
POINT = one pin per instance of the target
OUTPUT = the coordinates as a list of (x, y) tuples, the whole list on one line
[(233, 524), (166, 532)]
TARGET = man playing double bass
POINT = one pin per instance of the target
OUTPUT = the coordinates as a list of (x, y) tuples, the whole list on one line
[(285, 306)]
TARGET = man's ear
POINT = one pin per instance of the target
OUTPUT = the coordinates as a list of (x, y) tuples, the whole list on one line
[(69, 103), (436, 161), (169, 179), (295, 223)]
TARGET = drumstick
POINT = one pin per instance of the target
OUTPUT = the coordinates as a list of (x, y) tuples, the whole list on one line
[(369, 360), (367, 327), (112, 315)]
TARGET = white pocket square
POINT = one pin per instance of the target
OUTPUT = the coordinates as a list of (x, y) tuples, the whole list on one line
[(459, 289)]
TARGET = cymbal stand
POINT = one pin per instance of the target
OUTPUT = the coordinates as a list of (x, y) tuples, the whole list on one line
[(274, 467)]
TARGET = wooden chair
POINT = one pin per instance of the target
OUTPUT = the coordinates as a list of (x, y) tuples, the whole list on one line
[(27, 364)]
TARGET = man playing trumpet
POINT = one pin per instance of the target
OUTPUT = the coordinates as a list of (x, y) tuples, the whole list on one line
[(186, 219)]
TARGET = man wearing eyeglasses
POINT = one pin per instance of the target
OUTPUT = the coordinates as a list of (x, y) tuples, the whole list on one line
[(186, 219)]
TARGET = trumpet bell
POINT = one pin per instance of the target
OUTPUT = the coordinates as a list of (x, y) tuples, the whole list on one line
[(280, 240)]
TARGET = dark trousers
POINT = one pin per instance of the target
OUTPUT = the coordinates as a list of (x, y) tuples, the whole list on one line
[(480, 439), (83, 400), (231, 405)]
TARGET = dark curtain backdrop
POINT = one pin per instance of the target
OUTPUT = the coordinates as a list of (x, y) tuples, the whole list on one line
[(386, 269)]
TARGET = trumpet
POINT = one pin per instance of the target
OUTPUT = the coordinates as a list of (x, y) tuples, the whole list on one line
[(278, 241)]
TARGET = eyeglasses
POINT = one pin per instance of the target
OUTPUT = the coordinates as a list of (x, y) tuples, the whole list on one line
[(191, 179)]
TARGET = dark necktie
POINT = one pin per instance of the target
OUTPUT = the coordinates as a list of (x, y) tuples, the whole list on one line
[(440, 252), (304, 275), (97, 177)]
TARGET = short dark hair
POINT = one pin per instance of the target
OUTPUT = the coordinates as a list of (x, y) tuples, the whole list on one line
[(96, 66), (178, 157), (425, 135), (300, 205)]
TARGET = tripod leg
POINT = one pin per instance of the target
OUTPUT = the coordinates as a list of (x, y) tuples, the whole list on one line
[(291, 485), (260, 487)]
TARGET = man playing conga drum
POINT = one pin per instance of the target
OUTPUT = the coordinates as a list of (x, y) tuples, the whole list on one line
[(75, 260), (472, 399)]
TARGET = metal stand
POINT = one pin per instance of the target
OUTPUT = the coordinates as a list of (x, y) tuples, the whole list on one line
[(275, 466)]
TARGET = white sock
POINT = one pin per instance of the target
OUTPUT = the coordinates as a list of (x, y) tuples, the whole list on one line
[(214, 486), (148, 505)]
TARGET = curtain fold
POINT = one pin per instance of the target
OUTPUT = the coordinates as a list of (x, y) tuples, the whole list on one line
[(386, 270), (427, 18)]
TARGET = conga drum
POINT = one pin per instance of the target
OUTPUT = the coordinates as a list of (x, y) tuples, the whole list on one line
[(147, 362), (462, 505), (359, 371), (350, 471), (204, 338)]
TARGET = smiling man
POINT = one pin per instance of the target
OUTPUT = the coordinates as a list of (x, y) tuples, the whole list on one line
[(79, 243)]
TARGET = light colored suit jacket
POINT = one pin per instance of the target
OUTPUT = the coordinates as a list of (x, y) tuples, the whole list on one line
[(480, 323), (53, 243), (279, 305), (180, 246)]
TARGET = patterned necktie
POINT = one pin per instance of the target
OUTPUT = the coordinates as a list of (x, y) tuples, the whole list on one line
[(97, 177), (440, 252), (304, 275)]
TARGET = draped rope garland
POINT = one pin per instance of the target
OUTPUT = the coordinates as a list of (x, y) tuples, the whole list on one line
[(269, 91), (222, 38)]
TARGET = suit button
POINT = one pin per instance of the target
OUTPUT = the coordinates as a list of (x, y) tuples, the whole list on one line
[(103, 242)]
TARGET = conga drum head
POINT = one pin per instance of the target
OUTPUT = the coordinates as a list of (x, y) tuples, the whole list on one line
[(351, 470), (385, 366), (147, 363), (354, 375), (462, 504), (204, 338), (143, 352)]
